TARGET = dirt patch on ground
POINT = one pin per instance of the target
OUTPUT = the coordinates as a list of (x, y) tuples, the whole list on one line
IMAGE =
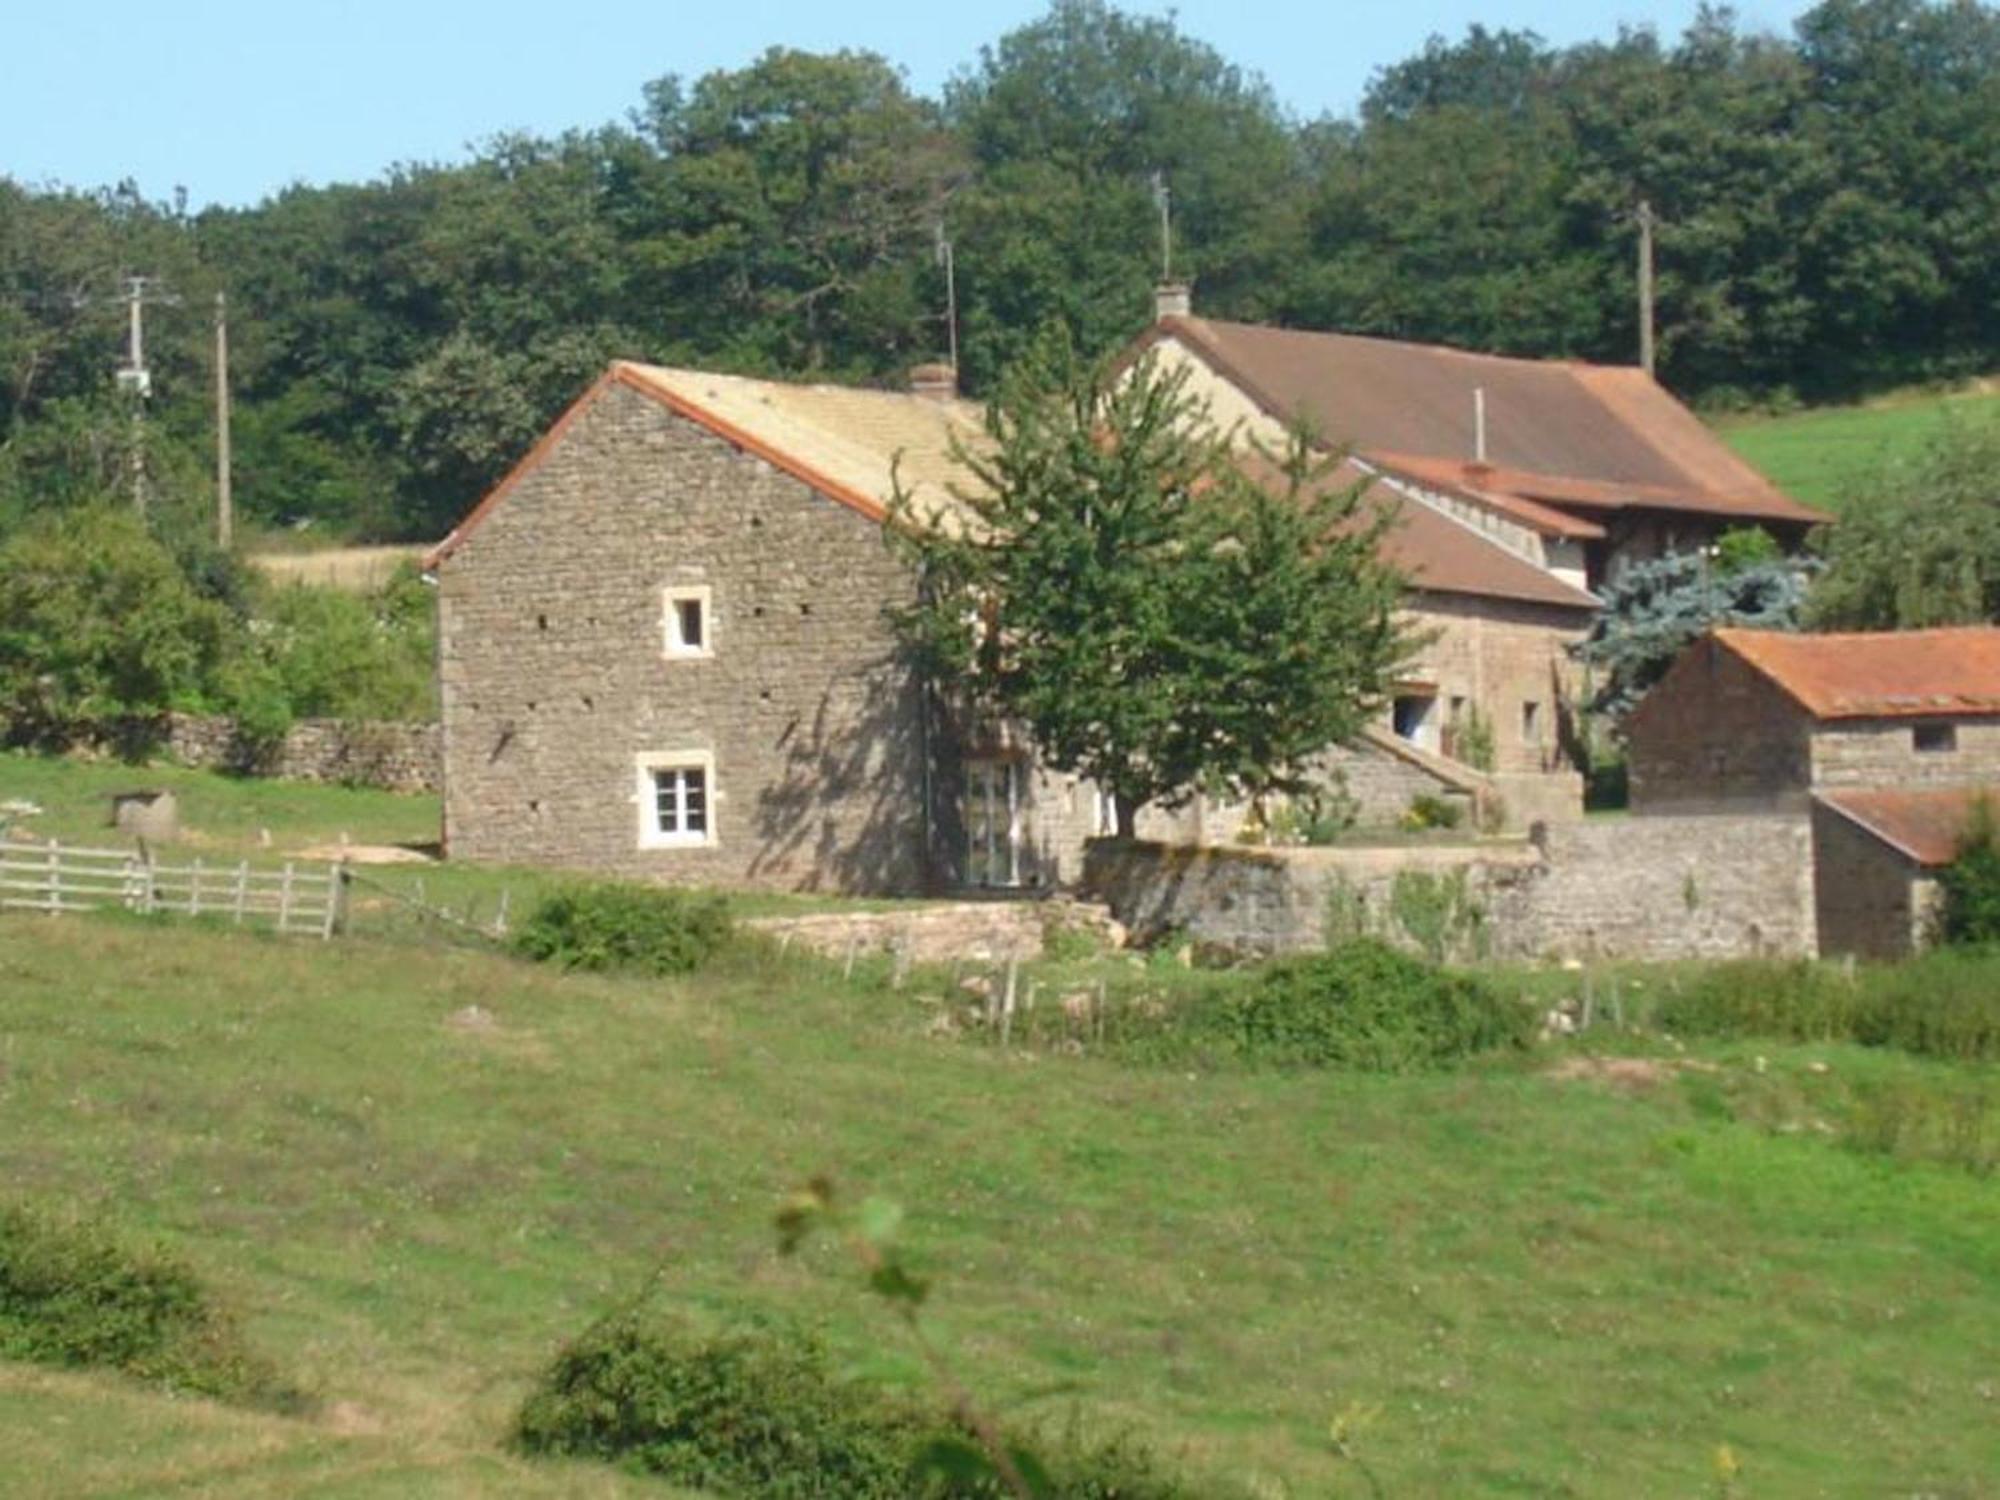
[(370, 854), (351, 1419), (1632, 1073)]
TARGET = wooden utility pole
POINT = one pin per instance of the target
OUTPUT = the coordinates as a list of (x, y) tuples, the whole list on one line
[(225, 514), (1645, 218)]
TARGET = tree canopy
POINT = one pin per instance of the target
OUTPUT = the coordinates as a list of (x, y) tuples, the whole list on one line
[(1160, 622), (1826, 226)]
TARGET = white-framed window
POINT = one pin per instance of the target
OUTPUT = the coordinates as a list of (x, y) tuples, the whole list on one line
[(676, 799), (687, 620)]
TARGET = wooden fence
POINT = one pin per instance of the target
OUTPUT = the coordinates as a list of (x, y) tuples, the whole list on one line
[(54, 877)]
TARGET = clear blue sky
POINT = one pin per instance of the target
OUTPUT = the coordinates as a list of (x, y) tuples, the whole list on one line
[(233, 99)]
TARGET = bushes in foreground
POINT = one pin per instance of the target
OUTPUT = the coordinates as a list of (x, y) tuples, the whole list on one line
[(1364, 1005), (649, 929), (760, 1411), (72, 1294), (1942, 1004)]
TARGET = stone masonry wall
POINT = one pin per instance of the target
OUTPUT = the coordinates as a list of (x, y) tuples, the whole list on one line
[(1641, 888), (394, 757), (1883, 753), (555, 681), (1665, 887), (1865, 891), (1715, 733), (1501, 656)]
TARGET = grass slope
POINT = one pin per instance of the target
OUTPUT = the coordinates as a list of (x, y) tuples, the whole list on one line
[(1827, 456), (1549, 1287)]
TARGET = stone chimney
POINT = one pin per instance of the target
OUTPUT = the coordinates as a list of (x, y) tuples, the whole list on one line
[(934, 382), (1173, 299)]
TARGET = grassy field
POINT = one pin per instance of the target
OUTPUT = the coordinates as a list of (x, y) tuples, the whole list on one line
[(1827, 455), (1550, 1283)]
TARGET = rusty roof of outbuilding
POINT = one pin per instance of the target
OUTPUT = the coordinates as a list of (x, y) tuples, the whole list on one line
[(1899, 674), (1557, 431), (1927, 826)]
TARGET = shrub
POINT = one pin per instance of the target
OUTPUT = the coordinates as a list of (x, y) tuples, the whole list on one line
[(341, 655), (760, 1411), (73, 1294), (1970, 885), (1943, 1004), (610, 926), (1794, 1001), (1364, 1005), (1426, 812), (99, 628)]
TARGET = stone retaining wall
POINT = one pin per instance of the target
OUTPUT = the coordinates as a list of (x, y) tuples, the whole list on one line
[(1644, 888), (394, 757), (940, 932)]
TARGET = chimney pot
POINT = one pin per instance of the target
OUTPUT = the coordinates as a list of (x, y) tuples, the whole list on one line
[(937, 382), (1173, 299)]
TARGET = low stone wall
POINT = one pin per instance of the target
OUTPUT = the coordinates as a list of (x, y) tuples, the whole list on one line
[(938, 932), (1665, 887), (394, 757), (1644, 888), (1277, 900)]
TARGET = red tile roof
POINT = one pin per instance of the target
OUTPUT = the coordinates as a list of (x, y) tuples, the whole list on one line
[(1550, 424), (1885, 674), (1925, 826)]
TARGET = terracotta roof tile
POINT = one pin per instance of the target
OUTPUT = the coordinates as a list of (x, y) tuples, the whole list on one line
[(1884, 674), (1925, 826), (1617, 429)]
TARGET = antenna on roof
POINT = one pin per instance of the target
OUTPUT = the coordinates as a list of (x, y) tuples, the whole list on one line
[(1164, 198), (943, 257)]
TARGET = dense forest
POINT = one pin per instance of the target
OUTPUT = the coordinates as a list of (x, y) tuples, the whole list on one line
[(1828, 222)]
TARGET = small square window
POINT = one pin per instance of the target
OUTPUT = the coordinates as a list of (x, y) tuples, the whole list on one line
[(1935, 739), (1531, 722), (687, 622), (676, 797)]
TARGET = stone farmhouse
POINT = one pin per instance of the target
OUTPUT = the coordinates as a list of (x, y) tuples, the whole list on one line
[(1577, 470), (663, 652), (1887, 740)]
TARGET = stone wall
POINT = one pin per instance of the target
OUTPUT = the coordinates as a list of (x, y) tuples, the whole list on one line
[(941, 932), (394, 757), (1643, 888), (1664, 887), (1507, 659), (1277, 900), (1715, 733), (1883, 752), (1866, 893), (556, 682)]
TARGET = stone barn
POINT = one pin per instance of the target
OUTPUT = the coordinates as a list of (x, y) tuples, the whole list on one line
[(1762, 718), (664, 651), (1876, 858)]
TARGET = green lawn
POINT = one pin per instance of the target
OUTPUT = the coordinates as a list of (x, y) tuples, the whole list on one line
[(1827, 456), (1549, 1286)]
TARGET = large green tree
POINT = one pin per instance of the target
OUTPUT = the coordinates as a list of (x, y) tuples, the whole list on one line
[(1919, 544), (1159, 620)]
